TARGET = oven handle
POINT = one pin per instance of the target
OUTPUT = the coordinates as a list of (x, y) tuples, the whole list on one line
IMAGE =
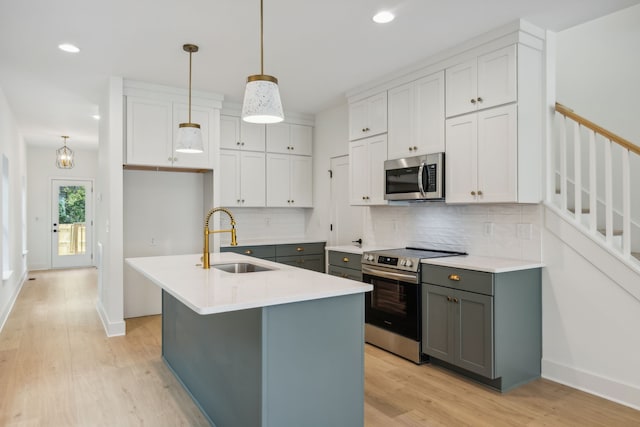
[(401, 276), (420, 173)]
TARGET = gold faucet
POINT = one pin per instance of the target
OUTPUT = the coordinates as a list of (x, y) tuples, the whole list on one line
[(232, 230)]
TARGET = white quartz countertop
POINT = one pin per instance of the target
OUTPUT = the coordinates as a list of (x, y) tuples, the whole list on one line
[(483, 263), (355, 249), (216, 291)]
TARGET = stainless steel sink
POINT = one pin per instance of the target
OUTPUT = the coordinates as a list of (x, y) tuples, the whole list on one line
[(240, 267)]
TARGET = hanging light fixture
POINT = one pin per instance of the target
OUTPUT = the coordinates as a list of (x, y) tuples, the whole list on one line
[(64, 155), (261, 96), (189, 134)]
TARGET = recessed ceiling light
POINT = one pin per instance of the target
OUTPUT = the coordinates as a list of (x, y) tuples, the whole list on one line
[(96, 116), (68, 47), (383, 17)]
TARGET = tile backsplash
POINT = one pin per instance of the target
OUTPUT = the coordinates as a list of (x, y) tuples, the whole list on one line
[(508, 231), (265, 223)]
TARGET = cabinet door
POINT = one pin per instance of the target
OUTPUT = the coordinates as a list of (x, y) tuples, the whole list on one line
[(357, 120), (308, 262), (149, 132), (497, 78), (230, 132), (497, 155), (302, 140), (279, 138), (461, 159), (204, 116), (301, 185), (462, 88), (402, 126), (377, 156), (230, 178), (252, 179), (358, 172), (252, 136), (377, 114), (474, 333), (437, 322), (429, 112), (278, 180)]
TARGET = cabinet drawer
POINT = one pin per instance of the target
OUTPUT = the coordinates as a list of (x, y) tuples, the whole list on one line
[(300, 249), (458, 278), (266, 251), (347, 273), (308, 262), (345, 259)]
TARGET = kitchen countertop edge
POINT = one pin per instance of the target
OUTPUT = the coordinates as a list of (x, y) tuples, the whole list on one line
[(484, 263)]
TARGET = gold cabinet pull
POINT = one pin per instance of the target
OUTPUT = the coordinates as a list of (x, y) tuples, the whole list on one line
[(454, 277), (455, 300), (345, 259), (449, 299), (300, 249), (248, 252)]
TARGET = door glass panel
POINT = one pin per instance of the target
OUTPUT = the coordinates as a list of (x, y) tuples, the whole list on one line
[(72, 220), (389, 297)]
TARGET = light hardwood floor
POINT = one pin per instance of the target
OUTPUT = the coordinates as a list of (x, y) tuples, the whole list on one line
[(57, 368)]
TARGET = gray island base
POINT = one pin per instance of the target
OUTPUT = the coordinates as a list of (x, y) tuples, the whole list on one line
[(297, 364)]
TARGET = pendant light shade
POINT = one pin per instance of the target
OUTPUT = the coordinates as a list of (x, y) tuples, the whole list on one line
[(64, 156), (262, 102), (189, 139)]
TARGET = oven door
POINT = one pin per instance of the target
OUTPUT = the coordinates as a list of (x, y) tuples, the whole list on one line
[(394, 303)]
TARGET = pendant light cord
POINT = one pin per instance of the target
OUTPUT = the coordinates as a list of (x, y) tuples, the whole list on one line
[(261, 41), (190, 54)]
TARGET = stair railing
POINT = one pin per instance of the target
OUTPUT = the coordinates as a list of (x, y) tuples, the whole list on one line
[(567, 119)]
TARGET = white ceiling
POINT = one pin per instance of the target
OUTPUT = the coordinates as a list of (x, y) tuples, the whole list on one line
[(317, 49)]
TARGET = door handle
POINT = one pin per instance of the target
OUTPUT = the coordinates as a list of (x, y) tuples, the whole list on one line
[(420, 174)]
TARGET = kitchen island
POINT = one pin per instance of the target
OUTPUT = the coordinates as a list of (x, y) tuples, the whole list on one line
[(277, 347)]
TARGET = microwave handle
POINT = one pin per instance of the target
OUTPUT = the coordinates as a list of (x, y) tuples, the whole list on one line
[(420, 173)]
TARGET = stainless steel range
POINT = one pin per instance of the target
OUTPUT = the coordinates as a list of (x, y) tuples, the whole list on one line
[(393, 309)]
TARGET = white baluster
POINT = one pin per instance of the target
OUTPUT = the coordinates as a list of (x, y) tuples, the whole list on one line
[(593, 192), (563, 164), (577, 173), (626, 205), (608, 193)]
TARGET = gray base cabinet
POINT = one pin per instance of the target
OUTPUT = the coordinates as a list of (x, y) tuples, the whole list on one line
[(309, 256), (345, 264), (298, 364), (485, 325)]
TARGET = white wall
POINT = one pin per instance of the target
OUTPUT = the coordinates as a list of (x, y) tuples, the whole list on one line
[(590, 338), (163, 215), (13, 146), (109, 209), (42, 169)]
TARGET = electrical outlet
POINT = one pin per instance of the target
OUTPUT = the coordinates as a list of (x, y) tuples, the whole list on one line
[(524, 231), (267, 221), (487, 229)]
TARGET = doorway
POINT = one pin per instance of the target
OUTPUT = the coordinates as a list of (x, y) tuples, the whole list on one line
[(72, 223), (346, 220)]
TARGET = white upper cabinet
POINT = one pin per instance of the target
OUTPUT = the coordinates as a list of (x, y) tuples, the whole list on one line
[(289, 180), (483, 82), (368, 117), (482, 158), (239, 135), (152, 128), (290, 139), (366, 169), (243, 178), (416, 117)]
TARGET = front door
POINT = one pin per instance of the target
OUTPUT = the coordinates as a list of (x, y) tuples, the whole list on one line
[(72, 223)]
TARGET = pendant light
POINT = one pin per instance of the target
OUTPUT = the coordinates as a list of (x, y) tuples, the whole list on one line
[(64, 155), (189, 138), (261, 96)]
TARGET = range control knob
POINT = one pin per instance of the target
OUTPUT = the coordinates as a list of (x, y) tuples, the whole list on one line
[(369, 257), (408, 263), (403, 261)]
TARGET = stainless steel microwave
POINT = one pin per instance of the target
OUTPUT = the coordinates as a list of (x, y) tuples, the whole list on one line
[(415, 178)]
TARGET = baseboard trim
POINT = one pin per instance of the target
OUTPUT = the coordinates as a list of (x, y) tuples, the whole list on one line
[(112, 329), (607, 388), (4, 316)]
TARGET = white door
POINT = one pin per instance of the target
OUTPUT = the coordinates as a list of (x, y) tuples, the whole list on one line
[(346, 220), (72, 223), (252, 179), (278, 187), (301, 168)]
